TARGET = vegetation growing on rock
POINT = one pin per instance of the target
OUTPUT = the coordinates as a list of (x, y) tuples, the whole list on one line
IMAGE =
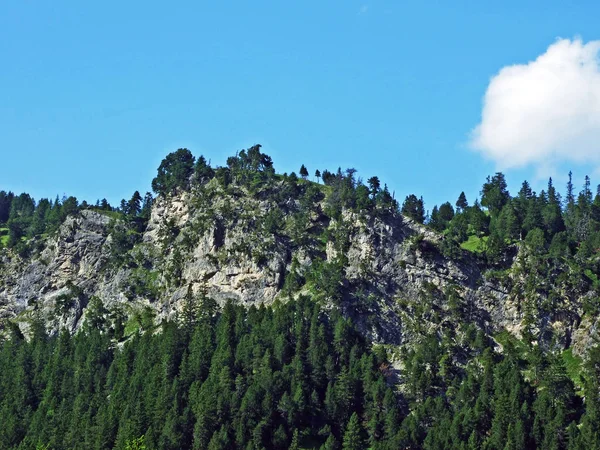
[(487, 309)]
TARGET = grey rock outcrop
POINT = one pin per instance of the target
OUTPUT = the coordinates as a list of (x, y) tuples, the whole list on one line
[(395, 277)]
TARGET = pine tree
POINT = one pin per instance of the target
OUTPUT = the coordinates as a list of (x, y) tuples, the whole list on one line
[(414, 208), (353, 436), (461, 203), (435, 221), (553, 196), (134, 205), (189, 312), (295, 444), (374, 185), (303, 172), (330, 443), (570, 198), (202, 170), (6, 199), (494, 194), (174, 172), (146, 206)]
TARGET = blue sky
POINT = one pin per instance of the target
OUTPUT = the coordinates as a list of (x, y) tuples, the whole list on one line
[(94, 94)]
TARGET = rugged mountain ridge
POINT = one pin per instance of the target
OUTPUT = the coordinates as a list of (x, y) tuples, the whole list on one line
[(384, 270)]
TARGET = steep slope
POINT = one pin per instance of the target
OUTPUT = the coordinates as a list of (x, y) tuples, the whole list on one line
[(274, 243)]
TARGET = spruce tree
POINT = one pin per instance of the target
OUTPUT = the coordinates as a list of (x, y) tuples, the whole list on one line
[(134, 205), (303, 172), (353, 436), (461, 203)]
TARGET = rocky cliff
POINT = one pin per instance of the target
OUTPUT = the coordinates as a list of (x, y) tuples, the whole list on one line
[(384, 270)]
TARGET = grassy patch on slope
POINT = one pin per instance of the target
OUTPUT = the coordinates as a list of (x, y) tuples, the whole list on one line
[(475, 244), (573, 365), (116, 215), (3, 237), (131, 327), (505, 338)]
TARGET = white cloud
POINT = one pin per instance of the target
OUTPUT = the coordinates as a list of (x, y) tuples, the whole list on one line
[(544, 112), (363, 9)]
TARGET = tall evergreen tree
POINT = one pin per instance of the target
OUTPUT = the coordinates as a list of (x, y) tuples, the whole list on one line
[(494, 194), (134, 206), (5, 204), (461, 202), (353, 436), (303, 172)]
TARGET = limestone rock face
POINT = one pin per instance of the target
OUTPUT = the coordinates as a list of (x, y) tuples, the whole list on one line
[(77, 254), (242, 248)]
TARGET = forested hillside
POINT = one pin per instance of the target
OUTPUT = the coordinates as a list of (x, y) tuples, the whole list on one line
[(241, 308), (288, 376)]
